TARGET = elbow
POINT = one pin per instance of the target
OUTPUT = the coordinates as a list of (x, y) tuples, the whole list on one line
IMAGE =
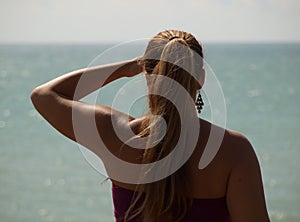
[(35, 95), (38, 96)]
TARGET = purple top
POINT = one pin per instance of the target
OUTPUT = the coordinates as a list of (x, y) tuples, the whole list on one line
[(206, 210)]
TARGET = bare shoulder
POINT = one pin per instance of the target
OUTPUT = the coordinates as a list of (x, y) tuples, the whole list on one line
[(238, 148), (235, 146), (238, 138), (245, 193)]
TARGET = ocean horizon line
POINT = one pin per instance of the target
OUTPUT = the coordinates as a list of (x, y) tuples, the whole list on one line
[(84, 43)]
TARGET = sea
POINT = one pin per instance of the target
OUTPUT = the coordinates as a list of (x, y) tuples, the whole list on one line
[(45, 177)]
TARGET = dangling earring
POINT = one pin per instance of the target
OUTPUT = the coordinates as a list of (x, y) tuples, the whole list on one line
[(199, 103)]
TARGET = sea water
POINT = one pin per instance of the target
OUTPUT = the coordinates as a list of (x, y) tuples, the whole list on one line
[(44, 176)]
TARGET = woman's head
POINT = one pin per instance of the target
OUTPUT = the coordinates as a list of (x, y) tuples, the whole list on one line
[(177, 55), (157, 44)]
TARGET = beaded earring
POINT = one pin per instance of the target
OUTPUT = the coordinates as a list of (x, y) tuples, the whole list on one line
[(199, 103)]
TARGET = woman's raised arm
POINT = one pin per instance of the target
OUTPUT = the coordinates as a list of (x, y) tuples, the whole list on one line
[(93, 79), (57, 100)]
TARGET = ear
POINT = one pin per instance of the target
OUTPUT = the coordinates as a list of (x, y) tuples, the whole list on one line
[(202, 78)]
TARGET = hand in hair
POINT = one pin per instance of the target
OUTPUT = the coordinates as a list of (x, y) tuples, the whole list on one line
[(135, 68)]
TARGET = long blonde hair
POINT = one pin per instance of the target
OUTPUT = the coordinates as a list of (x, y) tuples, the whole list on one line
[(167, 199)]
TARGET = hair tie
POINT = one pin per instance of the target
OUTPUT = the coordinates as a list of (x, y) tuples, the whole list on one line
[(174, 37)]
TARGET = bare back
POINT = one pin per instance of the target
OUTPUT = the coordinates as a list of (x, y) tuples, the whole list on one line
[(233, 173), (210, 182)]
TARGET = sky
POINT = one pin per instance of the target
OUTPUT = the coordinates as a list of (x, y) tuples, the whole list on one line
[(92, 21)]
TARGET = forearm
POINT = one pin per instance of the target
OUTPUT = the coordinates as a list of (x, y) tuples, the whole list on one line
[(77, 84)]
